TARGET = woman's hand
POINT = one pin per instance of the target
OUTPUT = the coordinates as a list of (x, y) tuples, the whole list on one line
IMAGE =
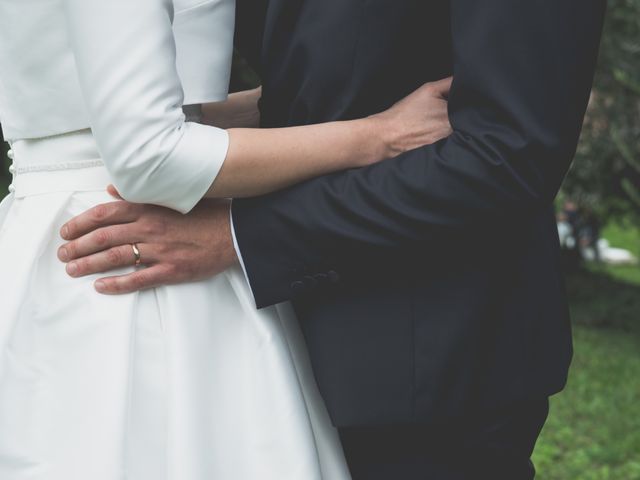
[(417, 120)]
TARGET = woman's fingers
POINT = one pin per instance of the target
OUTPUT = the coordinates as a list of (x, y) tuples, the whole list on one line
[(113, 258), (442, 87)]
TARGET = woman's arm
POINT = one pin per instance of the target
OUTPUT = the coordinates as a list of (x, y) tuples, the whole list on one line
[(262, 161)]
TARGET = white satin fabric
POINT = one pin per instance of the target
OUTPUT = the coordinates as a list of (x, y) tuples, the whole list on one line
[(186, 382)]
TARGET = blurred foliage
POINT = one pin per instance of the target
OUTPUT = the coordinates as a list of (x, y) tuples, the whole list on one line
[(606, 173)]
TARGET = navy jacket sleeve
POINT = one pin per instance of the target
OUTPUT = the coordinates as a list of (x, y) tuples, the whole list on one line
[(522, 78)]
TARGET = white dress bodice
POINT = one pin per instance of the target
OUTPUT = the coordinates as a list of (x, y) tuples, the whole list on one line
[(124, 69)]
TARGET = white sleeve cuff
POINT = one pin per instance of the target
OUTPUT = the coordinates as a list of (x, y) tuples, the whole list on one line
[(203, 151), (181, 178)]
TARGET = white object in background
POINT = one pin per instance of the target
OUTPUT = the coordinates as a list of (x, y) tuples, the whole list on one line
[(615, 256), (565, 233)]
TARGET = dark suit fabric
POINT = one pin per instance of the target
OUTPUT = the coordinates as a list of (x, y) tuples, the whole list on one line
[(428, 286)]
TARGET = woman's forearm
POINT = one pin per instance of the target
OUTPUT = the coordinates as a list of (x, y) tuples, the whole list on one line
[(263, 161), (260, 161)]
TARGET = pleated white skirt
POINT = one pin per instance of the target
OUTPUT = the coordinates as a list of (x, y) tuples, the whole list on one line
[(186, 382)]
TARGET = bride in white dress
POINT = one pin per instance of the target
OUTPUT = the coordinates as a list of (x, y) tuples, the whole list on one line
[(185, 382)]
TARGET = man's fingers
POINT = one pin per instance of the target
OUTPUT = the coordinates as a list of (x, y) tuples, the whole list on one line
[(142, 279), (100, 216), (116, 257), (99, 240)]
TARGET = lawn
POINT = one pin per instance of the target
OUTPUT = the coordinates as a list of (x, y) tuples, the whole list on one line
[(593, 432), (623, 234)]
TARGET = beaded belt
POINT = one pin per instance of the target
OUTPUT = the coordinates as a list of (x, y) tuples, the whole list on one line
[(68, 162)]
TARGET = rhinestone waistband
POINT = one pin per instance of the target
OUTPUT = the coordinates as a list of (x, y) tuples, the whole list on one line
[(68, 162)]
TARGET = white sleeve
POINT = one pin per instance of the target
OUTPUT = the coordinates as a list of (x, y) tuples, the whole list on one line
[(125, 55), (204, 37)]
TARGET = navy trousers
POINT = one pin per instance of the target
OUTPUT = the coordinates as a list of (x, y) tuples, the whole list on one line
[(492, 446)]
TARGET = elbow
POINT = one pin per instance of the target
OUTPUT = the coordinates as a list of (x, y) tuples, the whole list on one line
[(173, 170), (540, 168), (128, 173), (130, 187), (521, 173), (135, 162), (137, 179), (162, 161)]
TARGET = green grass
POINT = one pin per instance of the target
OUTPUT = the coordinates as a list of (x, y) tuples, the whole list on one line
[(606, 296), (623, 234), (593, 431)]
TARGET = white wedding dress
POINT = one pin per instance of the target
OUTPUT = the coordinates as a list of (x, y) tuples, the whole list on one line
[(186, 382)]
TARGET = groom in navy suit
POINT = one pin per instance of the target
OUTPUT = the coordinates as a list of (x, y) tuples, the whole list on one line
[(429, 287)]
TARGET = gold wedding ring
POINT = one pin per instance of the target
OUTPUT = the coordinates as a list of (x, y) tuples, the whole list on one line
[(136, 254)]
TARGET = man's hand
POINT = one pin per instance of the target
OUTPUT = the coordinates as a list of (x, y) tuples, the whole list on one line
[(174, 248)]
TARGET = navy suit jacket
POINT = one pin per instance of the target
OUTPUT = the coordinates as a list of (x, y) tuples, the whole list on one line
[(428, 286)]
